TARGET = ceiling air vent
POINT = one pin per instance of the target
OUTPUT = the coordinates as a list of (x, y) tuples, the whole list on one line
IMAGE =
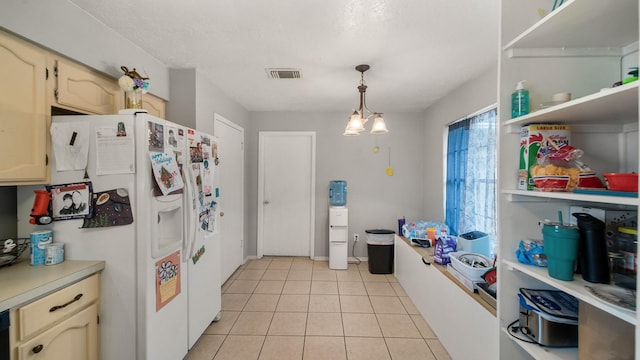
[(283, 73)]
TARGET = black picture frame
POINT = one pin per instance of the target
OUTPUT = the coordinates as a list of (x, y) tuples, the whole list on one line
[(71, 201)]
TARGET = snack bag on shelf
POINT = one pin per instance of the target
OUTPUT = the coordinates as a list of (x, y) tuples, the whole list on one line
[(560, 169), (533, 144)]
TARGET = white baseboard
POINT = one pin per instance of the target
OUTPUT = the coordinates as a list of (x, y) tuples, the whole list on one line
[(351, 259)]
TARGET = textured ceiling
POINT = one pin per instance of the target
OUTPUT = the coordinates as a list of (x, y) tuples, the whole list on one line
[(418, 50)]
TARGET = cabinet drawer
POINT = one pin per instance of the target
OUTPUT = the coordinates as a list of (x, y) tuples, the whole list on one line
[(54, 307), (76, 338)]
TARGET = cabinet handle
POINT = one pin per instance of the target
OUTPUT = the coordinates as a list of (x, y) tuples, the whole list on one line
[(36, 349), (425, 261), (58, 307)]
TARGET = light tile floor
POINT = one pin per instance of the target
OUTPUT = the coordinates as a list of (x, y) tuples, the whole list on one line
[(295, 308)]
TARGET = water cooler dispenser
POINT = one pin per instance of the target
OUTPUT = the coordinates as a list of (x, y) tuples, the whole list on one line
[(338, 225)]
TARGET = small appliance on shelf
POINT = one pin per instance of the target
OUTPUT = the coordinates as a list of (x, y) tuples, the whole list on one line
[(475, 242)]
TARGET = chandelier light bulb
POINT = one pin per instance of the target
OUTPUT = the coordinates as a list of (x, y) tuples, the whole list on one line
[(379, 127)]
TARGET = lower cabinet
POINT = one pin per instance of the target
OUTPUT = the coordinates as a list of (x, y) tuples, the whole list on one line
[(61, 325), (73, 339), (465, 328)]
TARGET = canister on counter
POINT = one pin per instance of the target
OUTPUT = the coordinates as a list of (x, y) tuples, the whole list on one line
[(627, 244), (54, 254), (39, 239)]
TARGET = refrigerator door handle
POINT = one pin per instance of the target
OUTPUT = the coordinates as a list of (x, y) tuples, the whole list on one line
[(192, 224)]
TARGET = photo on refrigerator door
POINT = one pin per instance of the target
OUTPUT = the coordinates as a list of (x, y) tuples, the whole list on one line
[(70, 201), (168, 274), (172, 137), (195, 153), (156, 136)]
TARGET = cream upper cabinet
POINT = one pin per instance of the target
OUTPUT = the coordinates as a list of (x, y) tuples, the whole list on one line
[(154, 105), (24, 118), (82, 90)]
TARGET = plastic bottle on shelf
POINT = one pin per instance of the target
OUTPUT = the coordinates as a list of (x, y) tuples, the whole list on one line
[(520, 100)]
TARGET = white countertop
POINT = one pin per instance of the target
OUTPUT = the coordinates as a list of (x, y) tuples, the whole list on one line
[(21, 282)]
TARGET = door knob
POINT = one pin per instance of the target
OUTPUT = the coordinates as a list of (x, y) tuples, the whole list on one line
[(266, 202), (221, 213)]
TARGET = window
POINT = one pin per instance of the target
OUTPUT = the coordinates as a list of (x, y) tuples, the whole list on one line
[(470, 199)]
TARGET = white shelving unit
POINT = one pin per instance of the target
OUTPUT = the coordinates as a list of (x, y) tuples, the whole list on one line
[(582, 47)]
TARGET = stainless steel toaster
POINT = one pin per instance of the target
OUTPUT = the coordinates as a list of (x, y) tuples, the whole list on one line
[(549, 317)]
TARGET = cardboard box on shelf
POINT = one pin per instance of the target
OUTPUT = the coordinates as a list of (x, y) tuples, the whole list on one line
[(534, 141)]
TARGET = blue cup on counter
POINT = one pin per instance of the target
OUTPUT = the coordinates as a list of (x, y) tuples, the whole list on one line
[(561, 249)]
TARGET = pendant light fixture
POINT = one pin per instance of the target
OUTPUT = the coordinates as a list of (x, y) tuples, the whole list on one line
[(357, 120)]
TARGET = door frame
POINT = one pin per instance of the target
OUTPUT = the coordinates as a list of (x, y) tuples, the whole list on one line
[(221, 119), (312, 202)]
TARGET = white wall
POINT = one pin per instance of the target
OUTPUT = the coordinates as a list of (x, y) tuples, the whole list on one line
[(194, 100), (374, 199), (63, 27), (467, 99)]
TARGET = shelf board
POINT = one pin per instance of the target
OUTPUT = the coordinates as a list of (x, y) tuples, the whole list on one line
[(531, 195), (574, 288), (608, 106), (541, 352), (583, 24)]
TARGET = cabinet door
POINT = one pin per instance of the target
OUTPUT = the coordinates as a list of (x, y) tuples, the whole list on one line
[(154, 105), (73, 339), (82, 90), (23, 114)]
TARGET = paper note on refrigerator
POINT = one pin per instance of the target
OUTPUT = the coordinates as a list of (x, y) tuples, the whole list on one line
[(115, 151), (70, 143), (166, 171)]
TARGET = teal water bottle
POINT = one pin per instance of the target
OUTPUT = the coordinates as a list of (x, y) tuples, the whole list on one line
[(520, 100)]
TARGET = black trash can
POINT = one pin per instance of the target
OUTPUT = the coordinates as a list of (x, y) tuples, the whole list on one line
[(380, 251)]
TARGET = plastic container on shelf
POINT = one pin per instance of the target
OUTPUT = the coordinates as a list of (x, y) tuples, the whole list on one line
[(627, 245), (561, 248), (622, 182)]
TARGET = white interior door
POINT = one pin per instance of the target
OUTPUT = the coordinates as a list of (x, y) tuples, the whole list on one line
[(286, 193), (231, 185)]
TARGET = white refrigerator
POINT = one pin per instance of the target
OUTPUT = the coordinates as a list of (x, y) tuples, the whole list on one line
[(161, 283)]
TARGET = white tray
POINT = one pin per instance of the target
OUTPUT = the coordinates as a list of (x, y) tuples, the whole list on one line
[(472, 273)]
